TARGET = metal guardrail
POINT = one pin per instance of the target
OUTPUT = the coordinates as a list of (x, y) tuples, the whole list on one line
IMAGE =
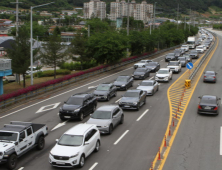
[(28, 95), (203, 59)]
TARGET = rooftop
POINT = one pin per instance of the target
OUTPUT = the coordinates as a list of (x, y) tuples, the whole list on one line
[(79, 129)]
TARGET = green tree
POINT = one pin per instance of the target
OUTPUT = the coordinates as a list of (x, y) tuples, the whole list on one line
[(57, 31), (96, 25), (53, 52), (107, 47)]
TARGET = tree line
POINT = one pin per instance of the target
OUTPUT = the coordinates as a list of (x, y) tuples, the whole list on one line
[(104, 45)]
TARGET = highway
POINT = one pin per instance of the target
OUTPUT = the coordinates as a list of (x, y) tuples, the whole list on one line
[(197, 143), (143, 129)]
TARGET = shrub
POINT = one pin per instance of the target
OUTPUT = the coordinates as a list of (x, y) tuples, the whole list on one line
[(77, 65), (49, 73)]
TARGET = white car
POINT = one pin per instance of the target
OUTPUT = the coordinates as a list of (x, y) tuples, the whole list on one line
[(174, 66), (142, 63), (9, 78), (204, 46), (164, 74), (75, 145), (200, 49), (185, 47), (151, 86)]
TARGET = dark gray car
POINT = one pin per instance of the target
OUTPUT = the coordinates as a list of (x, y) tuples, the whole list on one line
[(141, 73), (170, 57), (177, 53), (194, 54), (208, 105), (153, 66), (133, 99), (123, 82), (210, 76), (106, 118), (188, 58), (183, 61), (105, 91)]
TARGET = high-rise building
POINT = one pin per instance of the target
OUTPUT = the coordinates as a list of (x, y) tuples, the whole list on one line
[(141, 11), (94, 8)]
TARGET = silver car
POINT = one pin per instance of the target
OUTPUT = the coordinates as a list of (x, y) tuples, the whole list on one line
[(106, 118), (151, 86), (210, 76)]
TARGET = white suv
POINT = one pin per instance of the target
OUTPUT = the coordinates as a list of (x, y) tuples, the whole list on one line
[(164, 74), (75, 145)]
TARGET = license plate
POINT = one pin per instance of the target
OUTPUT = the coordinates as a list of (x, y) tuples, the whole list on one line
[(60, 163), (207, 107), (126, 106), (67, 117)]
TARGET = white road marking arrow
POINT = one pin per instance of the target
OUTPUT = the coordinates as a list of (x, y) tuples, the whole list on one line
[(92, 87), (60, 125)]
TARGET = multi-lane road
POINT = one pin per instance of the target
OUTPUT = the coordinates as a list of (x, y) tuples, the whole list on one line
[(196, 145)]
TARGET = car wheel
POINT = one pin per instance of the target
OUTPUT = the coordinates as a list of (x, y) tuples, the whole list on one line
[(97, 147), (132, 84), (81, 116), (171, 77), (152, 93), (114, 94), (94, 108), (108, 97), (138, 107), (41, 143), (122, 119), (110, 129), (157, 88), (82, 161), (12, 162), (126, 87), (62, 118)]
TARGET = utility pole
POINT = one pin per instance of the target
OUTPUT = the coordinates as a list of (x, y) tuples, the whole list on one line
[(154, 15), (190, 20), (185, 23), (150, 22), (88, 30), (127, 50), (177, 15)]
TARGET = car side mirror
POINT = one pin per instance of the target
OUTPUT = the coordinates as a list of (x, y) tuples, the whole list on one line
[(90, 115), (114, 116), (16, 143), (57, 140), (20, 139), (86, 143)]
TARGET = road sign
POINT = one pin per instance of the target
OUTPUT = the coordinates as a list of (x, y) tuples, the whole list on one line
[(189, 65)]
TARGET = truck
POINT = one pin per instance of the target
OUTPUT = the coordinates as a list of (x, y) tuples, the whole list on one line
[(191, 42), (17, 138)]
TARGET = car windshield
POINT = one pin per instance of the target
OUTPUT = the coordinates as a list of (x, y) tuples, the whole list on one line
[(173, 64), (131, 94), (122, 79), (140, 70), (163, 72), (170, 54), (182, 58), (209, 73), (185, 46), (208, 100), (70, 140), (100, 114), (8, 136), (142, 61), (102, 87), (176, 51), (151, 64), (190, 42), (75, 101), (146, 84), (199, 47)]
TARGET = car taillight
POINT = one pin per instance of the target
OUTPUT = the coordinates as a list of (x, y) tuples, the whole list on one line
[(204, 76), (214, 77), (199, 107), (215, 108)]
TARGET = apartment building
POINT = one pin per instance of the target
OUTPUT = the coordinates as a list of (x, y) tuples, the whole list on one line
[(94, 8), (141, 11)]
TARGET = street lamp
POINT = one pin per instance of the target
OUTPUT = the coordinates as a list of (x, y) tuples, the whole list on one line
[(154, 15), (31, 51)]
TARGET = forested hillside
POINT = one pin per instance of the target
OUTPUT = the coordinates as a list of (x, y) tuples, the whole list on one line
[(162, 5)]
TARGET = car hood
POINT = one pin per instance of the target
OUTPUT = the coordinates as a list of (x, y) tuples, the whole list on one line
[(4, 146), (99, 92), (60, 150), (172, 66), (177, 54), (116, 83), (139, 64), (169, 56), (145, 88), (182, 62), (99, 122), (162, 75), (129, 99), (150, 67), (70, 107), (138, 73)]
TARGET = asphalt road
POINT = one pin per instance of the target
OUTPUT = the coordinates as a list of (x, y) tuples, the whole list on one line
[(136, 150), (197, 144)]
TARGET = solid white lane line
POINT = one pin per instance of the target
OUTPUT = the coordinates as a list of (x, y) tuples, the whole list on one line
[(151, 78), (121, 137), (60, 125), (21, 168), (142, 115), (94, 165), (221, 140), (117, 100), (67, 92)]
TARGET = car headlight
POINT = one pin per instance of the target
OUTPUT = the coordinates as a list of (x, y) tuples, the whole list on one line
[(105, 126), (134, 103), (60, 109), (123, 85), (166, 77), (120, 102), (142, 75), (74, 155), (153, 68), (77, 110), (50, 154)]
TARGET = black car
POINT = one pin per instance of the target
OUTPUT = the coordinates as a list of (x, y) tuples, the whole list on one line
[(183, 61), (170, 57), (194, 54), (141, 73), (133, 99), (208, 105), (153, 66), (105, 91), (78, 106), (123, 82), (177, 53)]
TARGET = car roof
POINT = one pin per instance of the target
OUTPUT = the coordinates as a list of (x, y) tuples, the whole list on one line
[(107, 107), (170, 54), (80, 95), (80, 129), (209, 71), (148, 80), (133, 90), (164, 68), (16, 126), (108, 84)]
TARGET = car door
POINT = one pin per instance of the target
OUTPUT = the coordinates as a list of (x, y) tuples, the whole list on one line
[(22, 143), (91, 141), (86, 106), (30, 137), (87, 143), (111, 90), (114, 117)]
